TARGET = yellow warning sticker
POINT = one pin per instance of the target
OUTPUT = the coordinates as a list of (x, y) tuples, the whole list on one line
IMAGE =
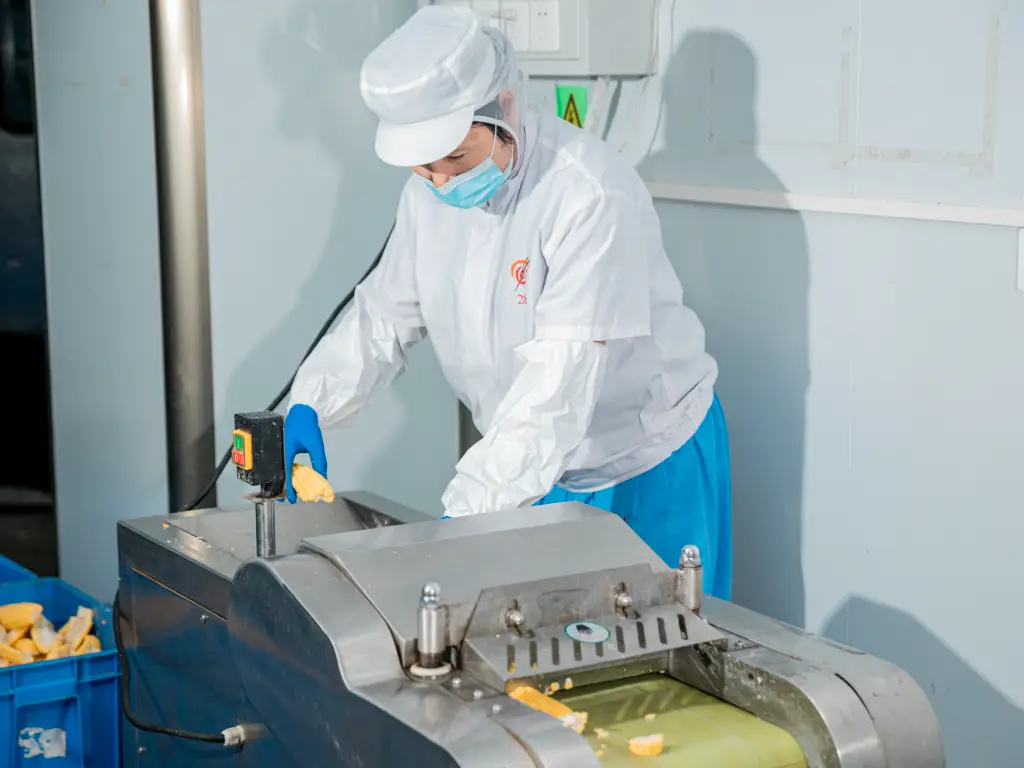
[(572, 112), (572, 104)]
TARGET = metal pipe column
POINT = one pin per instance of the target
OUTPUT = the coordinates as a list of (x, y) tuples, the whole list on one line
[(181, 189), (266, 528)]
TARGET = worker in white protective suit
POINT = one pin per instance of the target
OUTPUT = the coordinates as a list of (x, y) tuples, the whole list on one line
[(531, 254)]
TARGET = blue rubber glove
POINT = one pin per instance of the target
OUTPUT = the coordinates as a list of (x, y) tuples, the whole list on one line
[(302, 435)]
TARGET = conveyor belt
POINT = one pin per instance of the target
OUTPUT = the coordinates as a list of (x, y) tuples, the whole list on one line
[(700, 731)]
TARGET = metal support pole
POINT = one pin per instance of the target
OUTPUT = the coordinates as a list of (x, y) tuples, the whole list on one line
[(266, 532), (432, 623), (181, 190)]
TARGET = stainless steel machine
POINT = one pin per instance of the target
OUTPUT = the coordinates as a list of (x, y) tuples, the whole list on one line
[(381, 637)]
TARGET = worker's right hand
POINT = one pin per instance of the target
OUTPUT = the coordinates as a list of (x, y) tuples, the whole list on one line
[(302, 435)]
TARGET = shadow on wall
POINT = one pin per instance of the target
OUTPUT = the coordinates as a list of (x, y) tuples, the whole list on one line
[(314, 60), (980, 726), (745, 273)]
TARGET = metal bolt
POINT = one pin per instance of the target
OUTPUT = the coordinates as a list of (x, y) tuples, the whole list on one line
[(495, 709), (478, 694), (203, 619), (431, 594), (456, 682), (515, 619), (690, 558), (141, 750), (623, 600)]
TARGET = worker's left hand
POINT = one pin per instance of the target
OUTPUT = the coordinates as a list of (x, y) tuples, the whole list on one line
[(302, 435)]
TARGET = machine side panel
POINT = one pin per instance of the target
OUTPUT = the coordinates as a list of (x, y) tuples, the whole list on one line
[(182, 676), (906, 723), (320, 665), (196, 553), (815, 707), (159, 551)]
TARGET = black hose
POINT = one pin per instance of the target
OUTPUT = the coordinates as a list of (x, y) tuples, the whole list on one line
[(226, 458), (180, 733)]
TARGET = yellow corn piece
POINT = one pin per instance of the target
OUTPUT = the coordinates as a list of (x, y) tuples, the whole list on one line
[(25, 645), (62, 651), (310, 485), (534, 699), (577, 721), (19, 615), (78, 627), (91, 644), (44, 636), (647, 746), (14, 636), (11, 654)]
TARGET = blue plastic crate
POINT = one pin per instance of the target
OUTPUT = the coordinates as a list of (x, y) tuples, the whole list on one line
[(11, 571), (65, 712)]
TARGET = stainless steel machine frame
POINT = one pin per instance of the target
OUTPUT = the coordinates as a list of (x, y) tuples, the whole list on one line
[(312, 652)]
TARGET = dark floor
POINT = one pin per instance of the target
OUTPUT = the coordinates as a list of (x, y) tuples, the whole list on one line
[(28, 525)]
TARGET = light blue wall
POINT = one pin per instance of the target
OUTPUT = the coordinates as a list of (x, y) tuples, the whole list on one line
[(871, 368), (298, 208), (97, 175)]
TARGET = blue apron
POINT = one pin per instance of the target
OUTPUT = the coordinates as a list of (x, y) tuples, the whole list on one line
[(684, 500)]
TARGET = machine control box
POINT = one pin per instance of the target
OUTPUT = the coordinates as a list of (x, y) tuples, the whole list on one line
[(257, 450)]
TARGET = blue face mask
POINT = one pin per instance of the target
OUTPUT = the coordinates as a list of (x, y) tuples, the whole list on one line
[(474, 187)]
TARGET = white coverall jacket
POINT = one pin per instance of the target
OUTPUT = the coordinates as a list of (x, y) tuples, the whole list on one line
[(513, 295)]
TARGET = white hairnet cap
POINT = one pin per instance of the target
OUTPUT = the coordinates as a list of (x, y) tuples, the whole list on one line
[(427, 80)]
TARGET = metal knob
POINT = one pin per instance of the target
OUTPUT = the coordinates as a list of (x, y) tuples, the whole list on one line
[(691, 557), (515, 619), (690, 579), (431, 594), (622, 600)]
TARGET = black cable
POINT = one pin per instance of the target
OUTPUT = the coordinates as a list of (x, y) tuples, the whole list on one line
[(209, 738), (226, 458)]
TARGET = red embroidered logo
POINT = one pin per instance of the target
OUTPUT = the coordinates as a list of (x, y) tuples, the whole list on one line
[(519, 271)]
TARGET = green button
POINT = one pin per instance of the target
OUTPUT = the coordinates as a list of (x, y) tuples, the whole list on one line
[(239, 443)]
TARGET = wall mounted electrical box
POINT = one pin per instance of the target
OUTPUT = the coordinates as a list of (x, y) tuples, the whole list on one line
[(575, 38)]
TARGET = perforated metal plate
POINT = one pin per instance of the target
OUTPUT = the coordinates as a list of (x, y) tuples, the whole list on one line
[(551, 651)]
